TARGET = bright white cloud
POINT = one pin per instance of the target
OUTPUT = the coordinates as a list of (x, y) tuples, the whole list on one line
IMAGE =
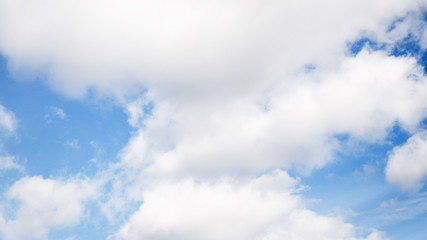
[(407, 164), (363, 98), (227, 79), (43, 204), (264, 208), (188, 49), (8, 121), (231, 95)]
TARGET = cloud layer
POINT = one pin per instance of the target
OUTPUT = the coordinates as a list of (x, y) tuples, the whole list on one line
[(184, 49), (221, 94), (295, 126)]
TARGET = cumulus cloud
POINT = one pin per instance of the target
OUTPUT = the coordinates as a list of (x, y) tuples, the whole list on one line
[(43, 204), (407, 164), (8, 121), (228, 83), (223, 88), (293, 125), (264, 208), (184, 49)]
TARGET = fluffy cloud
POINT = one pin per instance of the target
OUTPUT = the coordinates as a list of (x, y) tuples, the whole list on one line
[(186, 49), (407, 164), (264, 208), (293, 125), (43, 204), (228, 81), (7, 120), (236, 87)]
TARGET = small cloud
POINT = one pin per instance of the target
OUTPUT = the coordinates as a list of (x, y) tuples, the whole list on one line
[(390, 203), (55, 112), (8, 162), (8, 121), (368, 169), (59, 112), (73, 143), (95, 146)]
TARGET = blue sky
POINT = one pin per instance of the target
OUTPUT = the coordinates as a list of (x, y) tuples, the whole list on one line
[(215, 120)]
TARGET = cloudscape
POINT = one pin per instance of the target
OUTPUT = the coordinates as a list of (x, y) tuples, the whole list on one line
[(213, 120)]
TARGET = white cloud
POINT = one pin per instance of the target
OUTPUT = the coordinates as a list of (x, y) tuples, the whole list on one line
[(8, 162), (362, 98), (73, 143), (8, 125), (212, 71), (58, 112), (407, 164), (8, 121), (411, 24), (55, 112), (264, 208), (43, 204), (189, 49), (230, 96)]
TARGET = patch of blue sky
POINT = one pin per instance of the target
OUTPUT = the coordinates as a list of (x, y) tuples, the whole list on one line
[(402, 217), (408, 46), (354, 185), (357, 46), (83, 141), (49, 145)]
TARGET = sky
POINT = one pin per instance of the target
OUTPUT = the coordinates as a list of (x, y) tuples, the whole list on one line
[(206, 120)]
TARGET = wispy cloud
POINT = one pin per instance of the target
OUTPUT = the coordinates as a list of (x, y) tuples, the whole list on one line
[(73, 143), (55, 112), (8, 162), (8, 122)]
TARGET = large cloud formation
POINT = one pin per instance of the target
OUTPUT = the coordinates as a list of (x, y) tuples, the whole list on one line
[(219, 92), (296, 127), (262, 209), (187, 49)]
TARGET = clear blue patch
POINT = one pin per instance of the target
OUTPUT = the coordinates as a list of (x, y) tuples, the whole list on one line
[(409, 46), (357, 46), (43, 146), (355, 181)]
